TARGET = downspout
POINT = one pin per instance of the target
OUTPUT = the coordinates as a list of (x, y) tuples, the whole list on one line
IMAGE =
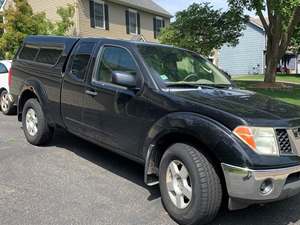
[(77, 18)]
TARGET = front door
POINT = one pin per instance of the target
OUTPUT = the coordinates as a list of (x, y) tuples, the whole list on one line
[(73, 90), (111, 111)]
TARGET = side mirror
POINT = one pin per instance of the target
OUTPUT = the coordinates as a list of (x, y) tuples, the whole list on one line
[(227, 75), (124, 79)]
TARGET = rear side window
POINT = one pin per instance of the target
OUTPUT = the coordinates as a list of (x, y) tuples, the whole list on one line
[(49, 56), (80, 59), (28, 53)]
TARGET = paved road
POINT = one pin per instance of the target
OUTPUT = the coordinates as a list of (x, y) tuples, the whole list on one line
[(74, 182)]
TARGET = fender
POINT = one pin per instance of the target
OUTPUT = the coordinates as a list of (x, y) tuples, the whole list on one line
[(35, 86), (218, 140)]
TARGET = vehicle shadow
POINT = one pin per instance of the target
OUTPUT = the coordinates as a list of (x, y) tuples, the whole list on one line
[(281, 213), (104, 158)]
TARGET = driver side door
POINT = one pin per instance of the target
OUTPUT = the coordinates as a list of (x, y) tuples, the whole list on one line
[(111, 112)]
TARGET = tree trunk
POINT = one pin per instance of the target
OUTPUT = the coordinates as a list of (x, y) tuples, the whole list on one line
[(272, 62), (273, 58)]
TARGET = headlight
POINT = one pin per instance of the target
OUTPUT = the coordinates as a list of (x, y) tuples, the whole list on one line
[(261, 139)]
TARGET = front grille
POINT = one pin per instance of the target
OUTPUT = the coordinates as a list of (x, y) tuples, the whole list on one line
[(284, 141)]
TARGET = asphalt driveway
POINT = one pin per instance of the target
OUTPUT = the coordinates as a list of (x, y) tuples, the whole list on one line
[(74, 182)]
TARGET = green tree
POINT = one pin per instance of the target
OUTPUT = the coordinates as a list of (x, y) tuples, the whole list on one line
[(295, 41), (201, 28), (66, 14), (281, 26), (20, 21)]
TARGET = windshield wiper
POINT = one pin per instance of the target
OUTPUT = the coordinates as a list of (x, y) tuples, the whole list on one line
[(218, 86), (183, 85), (199, 86)]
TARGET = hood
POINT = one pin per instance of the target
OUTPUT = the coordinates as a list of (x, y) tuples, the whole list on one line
[(251, 107)]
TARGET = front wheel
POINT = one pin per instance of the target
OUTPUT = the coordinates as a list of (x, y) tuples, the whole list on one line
[(190, 187), (35, 126)]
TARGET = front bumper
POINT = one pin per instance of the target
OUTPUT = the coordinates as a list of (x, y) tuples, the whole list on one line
[(244, 185)]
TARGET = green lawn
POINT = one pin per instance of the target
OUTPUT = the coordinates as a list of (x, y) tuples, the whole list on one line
[(290, 95), (279, 78)]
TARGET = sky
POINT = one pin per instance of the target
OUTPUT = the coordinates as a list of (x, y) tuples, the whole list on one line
[(177, 5), (173, 6)]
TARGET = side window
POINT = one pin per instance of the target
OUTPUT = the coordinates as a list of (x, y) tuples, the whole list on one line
[(114, 59), (49, 55), (80, 59), (3, 68), (28, 53)]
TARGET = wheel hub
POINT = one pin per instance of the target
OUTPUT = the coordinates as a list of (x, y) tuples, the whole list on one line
[(178, 184), (31, 122), (4, 102)]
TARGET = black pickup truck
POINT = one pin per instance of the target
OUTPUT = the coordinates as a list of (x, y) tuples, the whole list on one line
[(200, 138)]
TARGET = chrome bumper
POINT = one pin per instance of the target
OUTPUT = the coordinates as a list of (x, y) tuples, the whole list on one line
[(244, 185)]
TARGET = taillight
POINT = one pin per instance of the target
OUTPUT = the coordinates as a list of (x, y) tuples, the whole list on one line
[(10, 78)]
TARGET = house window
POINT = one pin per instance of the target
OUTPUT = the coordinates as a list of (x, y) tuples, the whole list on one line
[(99, 14), (133, 23), (158, 24)]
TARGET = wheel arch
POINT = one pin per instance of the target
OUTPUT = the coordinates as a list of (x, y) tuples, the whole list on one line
[(212, 138), (2, 89), (33, 89)]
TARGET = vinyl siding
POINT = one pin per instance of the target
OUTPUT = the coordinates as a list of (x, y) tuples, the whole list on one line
[(49, 7), (247, 55), (117, 24), (82, 26)]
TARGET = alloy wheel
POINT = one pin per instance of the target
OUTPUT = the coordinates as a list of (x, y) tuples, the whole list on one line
[(179, 184), (31, 122), (5, 102)]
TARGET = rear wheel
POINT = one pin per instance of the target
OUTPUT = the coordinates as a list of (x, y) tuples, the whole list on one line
[(6, 105), (190, 187), (35, 126)]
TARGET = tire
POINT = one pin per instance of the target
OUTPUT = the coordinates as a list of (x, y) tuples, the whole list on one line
[(203, 181), (7, 107), (36, 119)]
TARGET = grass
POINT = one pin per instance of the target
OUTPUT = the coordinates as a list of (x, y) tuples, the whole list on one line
[(290, 95), (280, 78)]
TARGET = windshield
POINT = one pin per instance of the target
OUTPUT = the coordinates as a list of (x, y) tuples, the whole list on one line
[(175, 66)]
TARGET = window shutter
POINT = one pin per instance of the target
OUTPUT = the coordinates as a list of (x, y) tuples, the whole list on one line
[(163, 23), (127, 21), (154, 27), (92, 13), (106, 17), (139, 23)]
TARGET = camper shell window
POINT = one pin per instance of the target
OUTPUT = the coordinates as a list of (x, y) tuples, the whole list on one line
[(44, 55)]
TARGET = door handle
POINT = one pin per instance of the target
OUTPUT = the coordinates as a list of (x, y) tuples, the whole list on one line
[(91, 93)]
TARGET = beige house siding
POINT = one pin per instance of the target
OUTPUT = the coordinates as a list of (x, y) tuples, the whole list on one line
[(82, 27), (117, 24), (49, 7)]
